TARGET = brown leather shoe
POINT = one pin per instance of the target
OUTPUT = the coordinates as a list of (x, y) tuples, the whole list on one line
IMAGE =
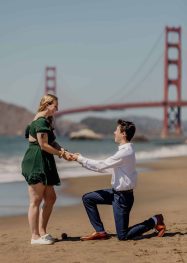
[(160, 227), (95, 236)]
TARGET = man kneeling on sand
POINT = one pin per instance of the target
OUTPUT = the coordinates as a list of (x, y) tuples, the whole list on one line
[(120, 196)]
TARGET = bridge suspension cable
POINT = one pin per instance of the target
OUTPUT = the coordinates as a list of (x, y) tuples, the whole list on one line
[(137, 71), (140, 82)]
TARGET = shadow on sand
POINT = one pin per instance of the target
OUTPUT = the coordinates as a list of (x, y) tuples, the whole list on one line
[(146, 236), (154, 234)]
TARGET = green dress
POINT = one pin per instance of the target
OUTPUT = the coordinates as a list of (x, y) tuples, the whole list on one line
[(38, 166)]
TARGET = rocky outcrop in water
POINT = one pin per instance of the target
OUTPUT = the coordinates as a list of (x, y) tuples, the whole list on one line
[(85, 134)]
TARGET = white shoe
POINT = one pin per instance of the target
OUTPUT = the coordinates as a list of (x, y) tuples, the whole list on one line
[(48, 237), (41, 241)]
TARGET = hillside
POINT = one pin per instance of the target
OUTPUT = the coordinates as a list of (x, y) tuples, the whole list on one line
[(145, 126), (13, 119)]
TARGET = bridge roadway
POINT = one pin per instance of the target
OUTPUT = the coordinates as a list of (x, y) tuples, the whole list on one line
[(121, 106)]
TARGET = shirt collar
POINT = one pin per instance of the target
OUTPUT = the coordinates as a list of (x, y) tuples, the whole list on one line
[(122, 146)]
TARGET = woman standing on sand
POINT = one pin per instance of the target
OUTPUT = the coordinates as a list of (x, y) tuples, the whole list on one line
[(39, 169)]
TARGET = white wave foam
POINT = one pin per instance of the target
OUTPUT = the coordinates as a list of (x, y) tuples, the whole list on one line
[(162, 152), (10, 169)]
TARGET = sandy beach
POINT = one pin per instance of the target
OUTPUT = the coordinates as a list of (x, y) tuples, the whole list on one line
[(161, 189)]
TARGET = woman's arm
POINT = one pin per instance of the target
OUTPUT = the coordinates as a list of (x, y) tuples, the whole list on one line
[(66, 154), (44, 145), (56, 146)]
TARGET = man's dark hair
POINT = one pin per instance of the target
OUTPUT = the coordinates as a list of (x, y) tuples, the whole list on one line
[(128, 127)]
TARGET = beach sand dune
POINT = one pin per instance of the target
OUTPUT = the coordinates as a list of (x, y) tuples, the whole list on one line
[(162, 189)]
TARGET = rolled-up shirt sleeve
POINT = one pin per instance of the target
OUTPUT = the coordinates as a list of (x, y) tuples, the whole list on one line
[(101, 165)]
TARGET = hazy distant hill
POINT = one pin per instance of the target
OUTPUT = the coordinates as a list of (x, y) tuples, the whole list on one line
[(146, 126), (13, 119)]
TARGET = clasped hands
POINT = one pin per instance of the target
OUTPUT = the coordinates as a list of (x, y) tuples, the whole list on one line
[(71, 156), (68, 156)]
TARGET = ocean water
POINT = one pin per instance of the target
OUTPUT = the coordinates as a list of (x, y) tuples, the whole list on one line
[(13, 189)]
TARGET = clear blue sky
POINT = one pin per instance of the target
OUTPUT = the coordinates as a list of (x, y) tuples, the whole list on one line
[(96, 45)]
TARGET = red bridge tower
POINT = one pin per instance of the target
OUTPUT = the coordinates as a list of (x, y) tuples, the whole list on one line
[(172, 115), (50, 80)]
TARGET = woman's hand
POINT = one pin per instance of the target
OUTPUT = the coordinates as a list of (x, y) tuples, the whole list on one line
[(61, 153), (67, 156)]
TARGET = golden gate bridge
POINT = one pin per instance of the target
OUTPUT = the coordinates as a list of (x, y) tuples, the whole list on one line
[(171, 108)]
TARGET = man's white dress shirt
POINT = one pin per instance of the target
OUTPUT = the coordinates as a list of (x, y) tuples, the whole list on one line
[(123, 164)]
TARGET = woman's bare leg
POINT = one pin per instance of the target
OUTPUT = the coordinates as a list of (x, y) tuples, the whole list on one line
[(45, 212), (36, 193)]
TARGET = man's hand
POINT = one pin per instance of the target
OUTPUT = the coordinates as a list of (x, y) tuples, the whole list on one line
[(74, 156), (68, 156)]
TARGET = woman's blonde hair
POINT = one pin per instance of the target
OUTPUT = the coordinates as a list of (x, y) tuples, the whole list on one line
[(46, 100)]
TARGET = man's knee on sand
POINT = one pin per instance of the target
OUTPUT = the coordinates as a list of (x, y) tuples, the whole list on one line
[(85, 198)]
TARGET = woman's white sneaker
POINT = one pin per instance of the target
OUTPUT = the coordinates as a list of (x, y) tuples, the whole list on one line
[(41, 241), (49, 237)]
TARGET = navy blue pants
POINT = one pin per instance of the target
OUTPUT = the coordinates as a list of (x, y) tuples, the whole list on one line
[(122, 203)]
